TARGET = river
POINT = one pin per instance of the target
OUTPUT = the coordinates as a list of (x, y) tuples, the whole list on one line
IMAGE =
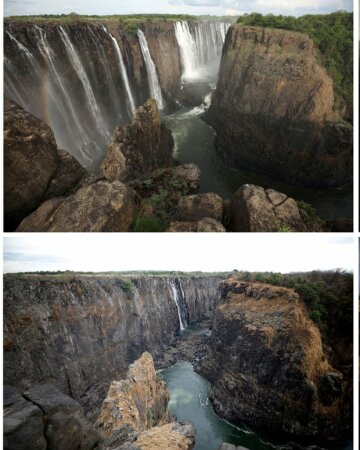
[(194, 143)]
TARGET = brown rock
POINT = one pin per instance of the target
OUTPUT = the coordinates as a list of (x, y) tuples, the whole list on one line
[(254, 209), (277, 361), (102, 206), (139, 148), (206, 225), (34, 169), (273, 109), (139, 402), (196, 207), (173, 436)]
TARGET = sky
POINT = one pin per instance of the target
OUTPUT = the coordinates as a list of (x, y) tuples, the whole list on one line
[(195, 7), (284, 252)]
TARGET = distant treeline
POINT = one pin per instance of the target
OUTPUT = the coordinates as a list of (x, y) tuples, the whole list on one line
[(333, 35)]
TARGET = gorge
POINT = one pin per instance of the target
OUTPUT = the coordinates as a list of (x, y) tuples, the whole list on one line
[(85, 78), (78, 333)]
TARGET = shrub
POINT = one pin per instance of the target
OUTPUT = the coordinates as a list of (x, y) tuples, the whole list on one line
[(316, 315), (149, 224)]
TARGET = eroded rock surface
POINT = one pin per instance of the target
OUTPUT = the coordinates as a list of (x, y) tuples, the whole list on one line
[(267, 363), (253, 208), (196, 207), (102, 206), (206, 225), (34, 169), (273, 109), (139, 148), (44, 418)]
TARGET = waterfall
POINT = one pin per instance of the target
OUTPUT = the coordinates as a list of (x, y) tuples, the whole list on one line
[(200, 46), (180, 305), (154, 84), (122, 70)]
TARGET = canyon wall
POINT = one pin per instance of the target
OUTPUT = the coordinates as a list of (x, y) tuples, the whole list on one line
[(80, 333), (273, 109), (267, 365)]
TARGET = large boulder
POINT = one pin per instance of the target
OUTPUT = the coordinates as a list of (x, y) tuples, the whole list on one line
[(205, 225), (139, 148), (101, 206), (34, 169), (44, 418), (253, 208), (139, 402), (196, 207), (273, 109)]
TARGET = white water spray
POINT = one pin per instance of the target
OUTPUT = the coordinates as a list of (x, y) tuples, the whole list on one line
[(122, 70), (176, 299), (200, 48), (154, 84)]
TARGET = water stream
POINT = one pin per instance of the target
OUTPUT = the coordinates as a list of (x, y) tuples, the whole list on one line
[(194, 143)]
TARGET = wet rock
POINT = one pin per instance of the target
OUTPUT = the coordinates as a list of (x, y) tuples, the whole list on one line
[(256, 209), (102, 206), (23, 423), (34, 169), (196, 207), (273, 109), (139, 148), (340, 225)]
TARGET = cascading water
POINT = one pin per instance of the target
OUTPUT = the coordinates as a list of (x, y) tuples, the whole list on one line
[(200, 47), (154, 84), (122, 70), (73, 78), (180, 305)]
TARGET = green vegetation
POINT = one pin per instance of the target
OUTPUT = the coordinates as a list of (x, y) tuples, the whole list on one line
[(126, 285), (285, 229), (149, 224), (329, 298), (310, 211), (332, 34)]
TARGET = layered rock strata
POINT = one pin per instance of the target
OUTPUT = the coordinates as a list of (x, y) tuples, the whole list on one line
[(273, 109), (80, 333), (267, 364)]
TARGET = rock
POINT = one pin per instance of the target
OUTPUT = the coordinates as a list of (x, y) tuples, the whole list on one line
[(139, 402), (69, 173), (188, 174), (65, 423), (340, 225), (102, 206), (34, 169), (272, 378), (173, 436), (196, 207), (205, 225), (273, 109), (23, 423), (139, 148), (256, 209), (94, 326), (44, 418)]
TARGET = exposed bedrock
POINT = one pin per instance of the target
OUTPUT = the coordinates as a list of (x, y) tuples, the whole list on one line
[(34, 168), (81, 333), (273, 109), (139, 148), (42, 418), (267, 365)]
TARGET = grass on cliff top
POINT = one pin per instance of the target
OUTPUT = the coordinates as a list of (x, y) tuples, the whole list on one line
[(128, 19), (332, 34)]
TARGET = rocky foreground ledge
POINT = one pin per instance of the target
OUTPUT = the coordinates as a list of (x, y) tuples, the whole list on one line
[(139, 188), (133, 416)]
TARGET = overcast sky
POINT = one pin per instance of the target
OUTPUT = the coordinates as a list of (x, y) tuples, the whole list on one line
[(196, 7), (186, 252)]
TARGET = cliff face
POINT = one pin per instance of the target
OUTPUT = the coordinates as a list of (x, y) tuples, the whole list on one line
[(81, 333), (273, 109), (267, 364)]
